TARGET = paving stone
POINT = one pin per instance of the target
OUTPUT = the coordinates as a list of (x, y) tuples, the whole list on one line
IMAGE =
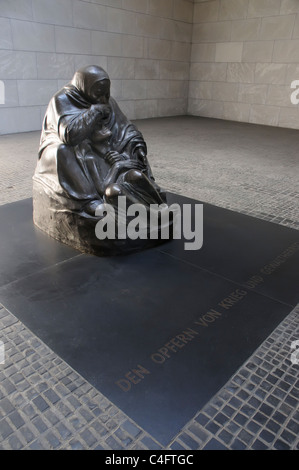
[(290, 379), (40, 403), (76, 445), (284, 385), (36, 445), (15, 443), (272, 400), (261, 372), (200, 433), (213, 444), (281, 394), (221, 418), (86, 415), (27, 434), (202, 419), (235, 403), (285, 409), (123, 437), (99, 447), (260, 393), (233, 427), (63, 431), (237, 445), (100, 430), (210, 411), (248, 410), (110, 424), (52, 439), (273, 426), (281, 445), (240, 419), (291, 401), (213, 427), (131, 428), (189, 441), (279, 417), (177, 446), (259, 445), (6, 406), (150, 443), (245, 437), (288, 437), (228, 411), (267, 436), (41, 387), (250, 387), (29, 411), (266, 409), (113, 443), (293, 426), (88, 437), (226, 437), (63, 408), (266, 386), (51, 417), (138, 446), (5, 429), (16, 419), (278, 372), (51, 396), (76, 422), (39, 424), (243, 395), (8, 386), (73, 401)]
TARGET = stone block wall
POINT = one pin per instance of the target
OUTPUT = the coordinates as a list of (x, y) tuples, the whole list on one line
[(144, 45), (228, 59), (244, 57)]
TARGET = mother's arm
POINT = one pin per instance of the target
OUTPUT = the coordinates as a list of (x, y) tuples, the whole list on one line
[(76, 128), (118, 165)]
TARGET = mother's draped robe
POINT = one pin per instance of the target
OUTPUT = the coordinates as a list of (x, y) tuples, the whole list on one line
[(69, 123)]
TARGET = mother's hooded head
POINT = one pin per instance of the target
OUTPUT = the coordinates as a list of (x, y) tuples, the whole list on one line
[(93, 82)]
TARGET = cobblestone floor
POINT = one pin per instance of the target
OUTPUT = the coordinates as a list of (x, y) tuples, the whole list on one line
[(45, 404)]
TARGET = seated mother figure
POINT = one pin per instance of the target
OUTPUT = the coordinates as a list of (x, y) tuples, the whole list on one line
[(89, 151)]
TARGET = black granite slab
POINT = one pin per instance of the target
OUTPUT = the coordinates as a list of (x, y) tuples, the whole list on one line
[(160, 331), (156, 332), (255, 253), (24, 249), (108, 317)]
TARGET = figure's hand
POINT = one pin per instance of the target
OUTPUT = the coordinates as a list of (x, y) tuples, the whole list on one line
[(140, 153), (102, 110), (113, 157)]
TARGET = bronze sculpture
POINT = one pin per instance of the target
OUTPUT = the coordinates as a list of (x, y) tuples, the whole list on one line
[(90, 154)]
